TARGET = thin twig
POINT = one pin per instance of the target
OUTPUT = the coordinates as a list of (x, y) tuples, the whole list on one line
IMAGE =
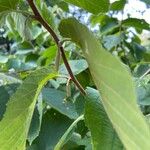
[(39, 18)]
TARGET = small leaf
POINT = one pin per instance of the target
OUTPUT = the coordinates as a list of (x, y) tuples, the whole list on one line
[(136, 23), (56, 99), (118, 5), (77, 66), (111, 41), (7, 79), (143, 93)]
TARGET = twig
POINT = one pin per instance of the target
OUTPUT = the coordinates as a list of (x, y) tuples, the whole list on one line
[(39, 18)]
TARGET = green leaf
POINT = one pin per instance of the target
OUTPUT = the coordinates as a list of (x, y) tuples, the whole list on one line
[(16, 121), (118, 5), (77, 66), (53, 127), (115, 85), (141, 70), (18, 65), (143, 93), (6, 5), (48, 55), (22, 25), (35, 125), (3, 100), (7, 79), (56, 99), (136, 23), (111, 41), (67, 134), (93, 6), (102, 131), (5, 92)]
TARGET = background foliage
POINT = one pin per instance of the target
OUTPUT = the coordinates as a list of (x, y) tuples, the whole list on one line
[(42, 109)]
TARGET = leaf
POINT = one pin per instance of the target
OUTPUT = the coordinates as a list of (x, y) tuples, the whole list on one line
[(136, 23), (115, 85), (3, 100), (48, 55), (118, 5), (102, 131), (56, 99), (67, 134), (53, 127), (7, 79), (93, 6), (6, 5), (141, 70), (111, 41), (16, 121), (35, 125), (22, 25), (77, 66), (19, 65), (143, 93), (5, 92)]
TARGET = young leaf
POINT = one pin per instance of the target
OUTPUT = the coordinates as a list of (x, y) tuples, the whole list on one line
[(93, 6), (16, 121), (115, 85), (103, 134)]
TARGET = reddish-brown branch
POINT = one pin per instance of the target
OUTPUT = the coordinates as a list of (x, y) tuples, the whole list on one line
[(39, 18)]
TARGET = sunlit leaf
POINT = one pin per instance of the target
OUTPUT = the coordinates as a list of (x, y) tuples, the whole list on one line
[(16, 120), (115, 85), (93, 6)]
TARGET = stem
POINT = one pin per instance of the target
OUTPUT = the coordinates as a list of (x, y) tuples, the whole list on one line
[(39, 18)]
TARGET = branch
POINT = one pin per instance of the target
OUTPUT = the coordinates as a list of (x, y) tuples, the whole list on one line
[(39, 18)]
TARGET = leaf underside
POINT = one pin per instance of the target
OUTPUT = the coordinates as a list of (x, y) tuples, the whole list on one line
[(115, 85)]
